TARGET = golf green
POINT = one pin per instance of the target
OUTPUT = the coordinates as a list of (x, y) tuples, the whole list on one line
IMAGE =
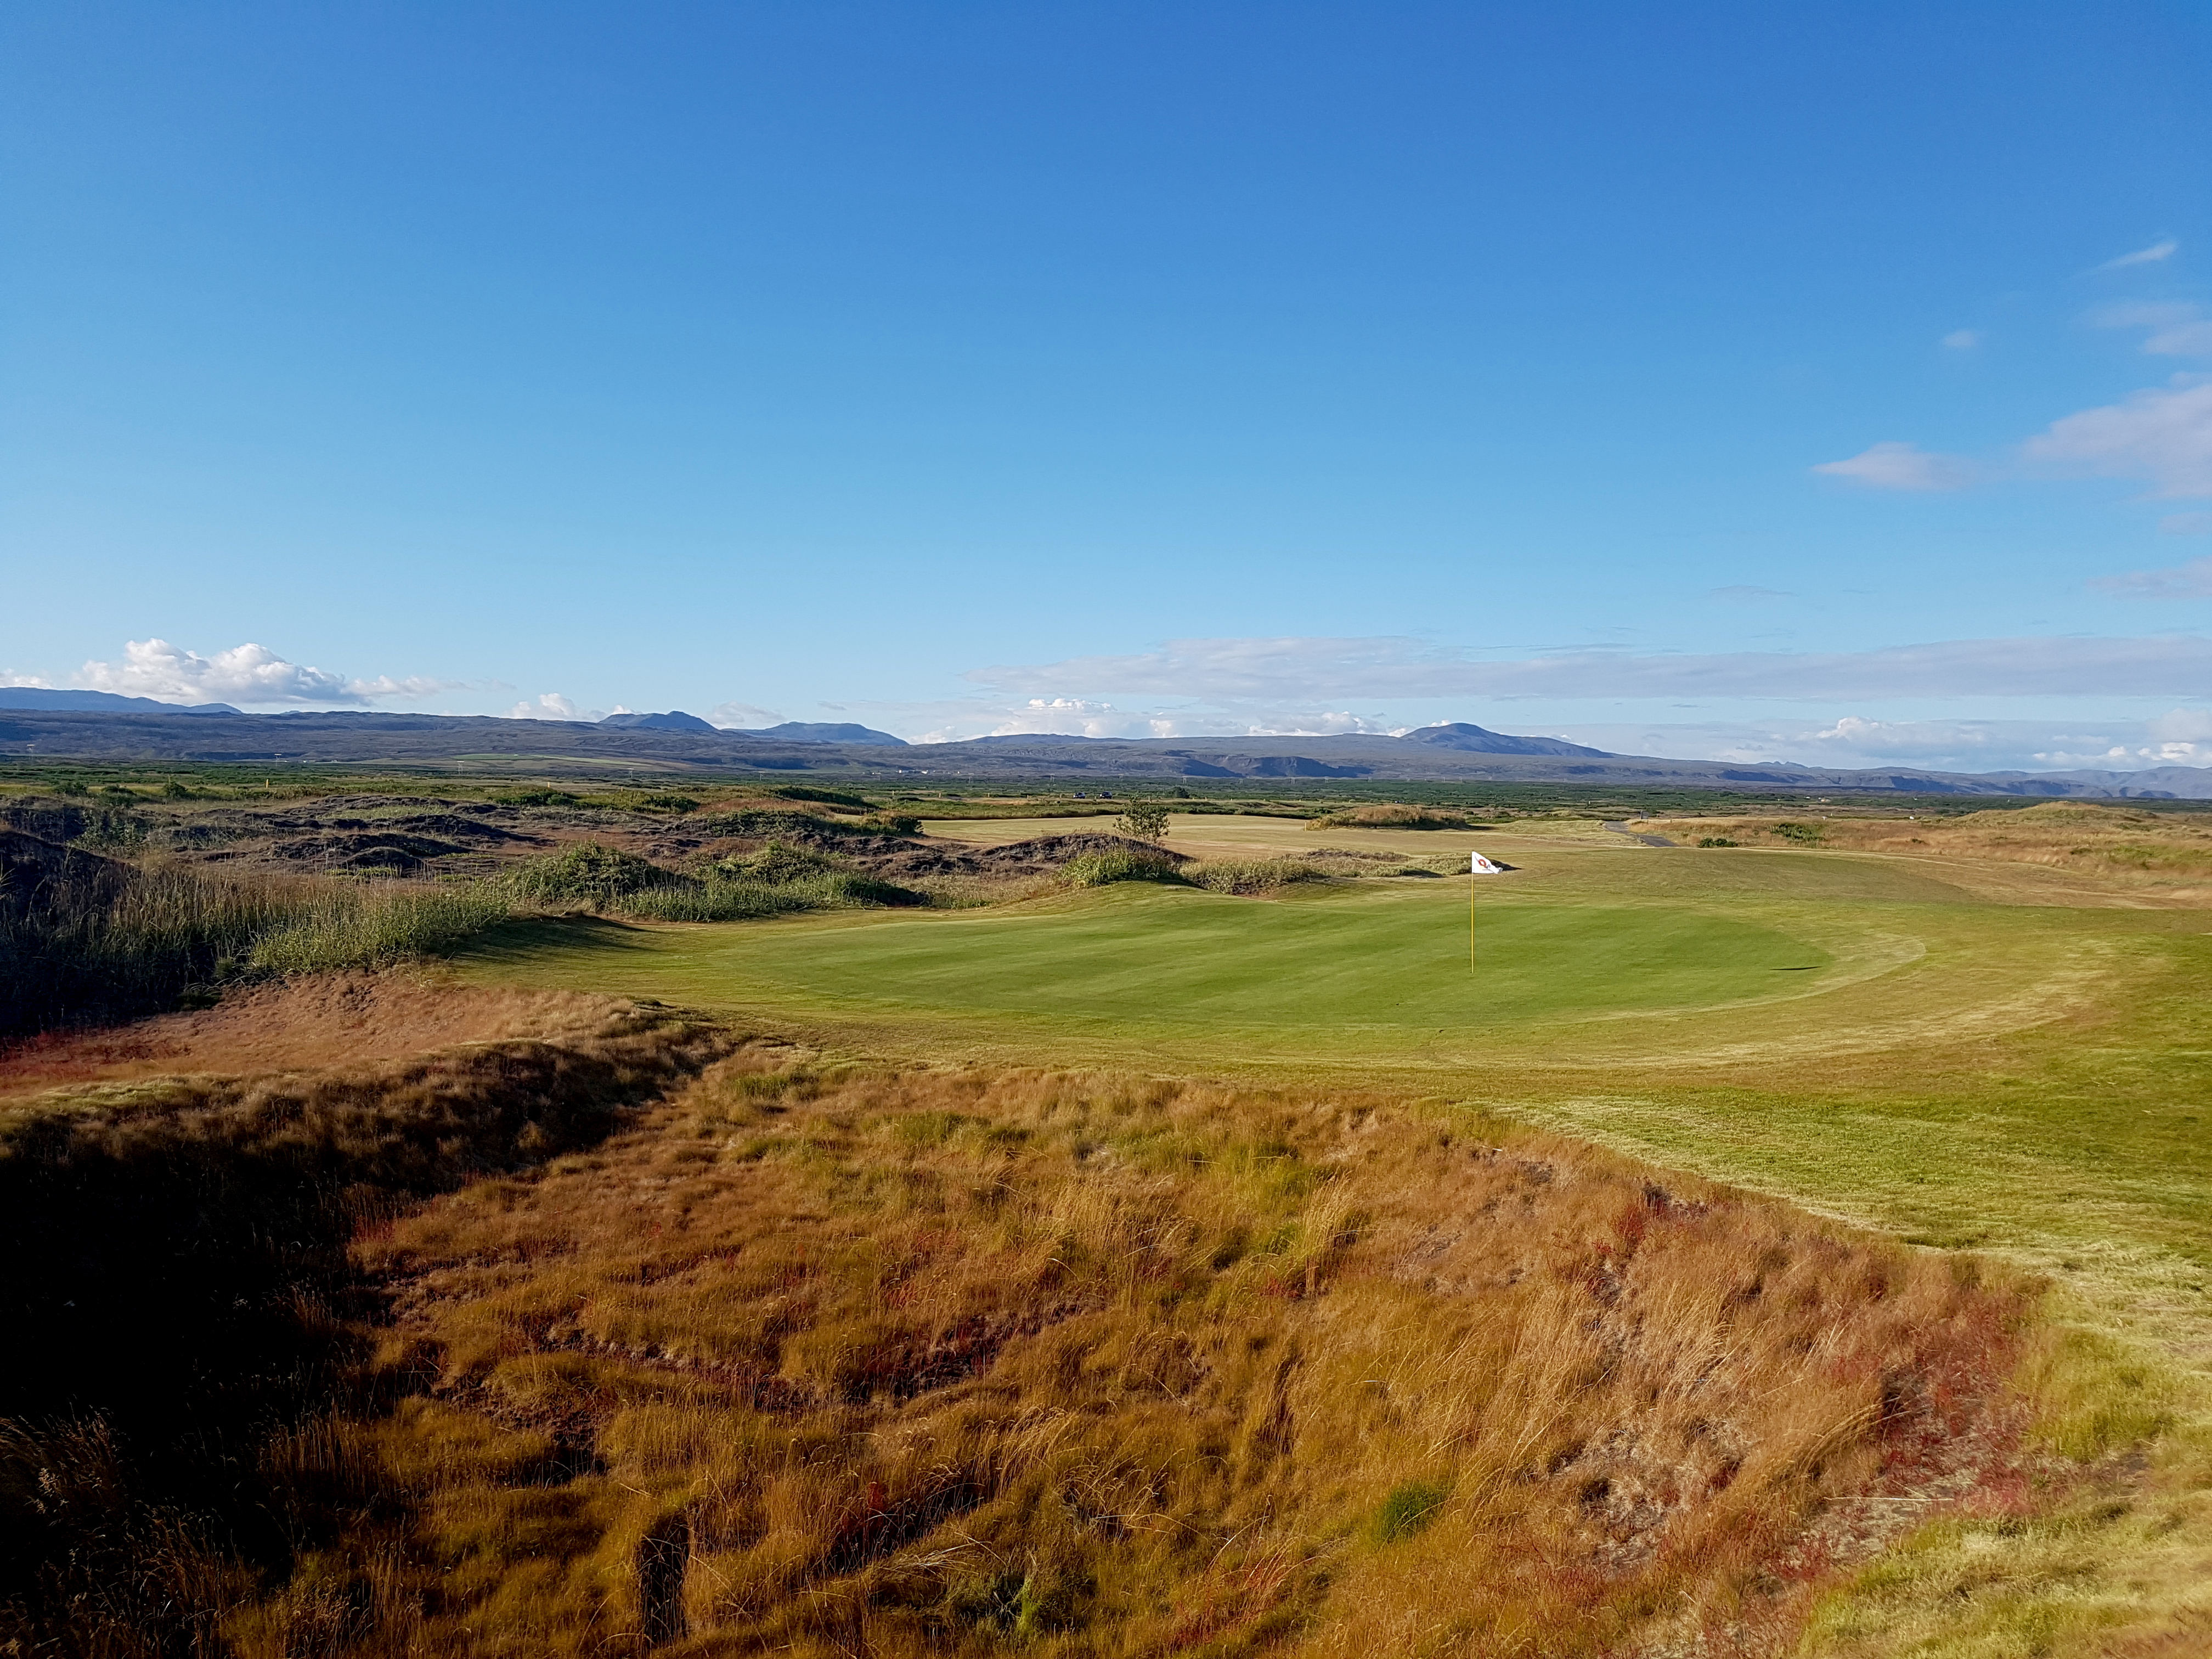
[(1150, 954), (1384, 956)]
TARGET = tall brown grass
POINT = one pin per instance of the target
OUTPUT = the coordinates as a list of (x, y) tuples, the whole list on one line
[(2116, 846), (85, 938), (181, 1293), (824, 1361)]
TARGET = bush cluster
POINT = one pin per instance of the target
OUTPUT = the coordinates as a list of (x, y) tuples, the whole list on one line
[(1255, 875), (1103, 869), (777, 880), (588, 873)]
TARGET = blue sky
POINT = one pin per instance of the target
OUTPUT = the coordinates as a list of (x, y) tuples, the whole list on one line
[(1832, 385)]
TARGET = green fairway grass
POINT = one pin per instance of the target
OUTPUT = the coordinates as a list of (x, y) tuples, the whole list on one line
[(1328, 961)]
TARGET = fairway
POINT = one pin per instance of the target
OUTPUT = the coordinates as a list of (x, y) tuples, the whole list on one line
[(1592, 950)]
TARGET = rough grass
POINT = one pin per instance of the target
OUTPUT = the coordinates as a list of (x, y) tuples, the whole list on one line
[(824, 1362), (1249, 876), (187, 1306), (85, 937), (364, 926), (1392, 818), (1121, 864), (779, 880), (2147, 851)]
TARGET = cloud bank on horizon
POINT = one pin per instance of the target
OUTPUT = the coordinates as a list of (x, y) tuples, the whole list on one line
[(1290, 687), (247, 674)]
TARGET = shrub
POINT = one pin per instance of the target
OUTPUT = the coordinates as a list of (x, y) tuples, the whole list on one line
[(1143, 820), (720, 899), (365, 927), (752, 821), (1102, 869), (1392, 818), (1717, 841), (667, 804), (588, 874), (1255, 875), (1810, 834), (776, 862), (536, 797)]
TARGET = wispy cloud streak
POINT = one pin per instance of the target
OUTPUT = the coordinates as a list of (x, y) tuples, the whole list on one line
[(1302, 670)]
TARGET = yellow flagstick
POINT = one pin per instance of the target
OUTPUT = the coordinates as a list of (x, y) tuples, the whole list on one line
[(1470, 914)]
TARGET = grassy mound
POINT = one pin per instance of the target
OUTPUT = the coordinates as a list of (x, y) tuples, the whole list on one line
[(1248, 876), (1103, 869), (1392, 818)]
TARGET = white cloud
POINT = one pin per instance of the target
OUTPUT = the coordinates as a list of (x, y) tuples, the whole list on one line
[(2192, 581), (1301, 672), (1857, 742), (2163, 433), (742, 716), (413, 685), (2186, 524), (2144, 256), (2176, 329), (1964, 339), (1863, 736), (1071, 717), (1330, 723), (245, 673), (1900, 466), (1066, 717), (8, 679), (552, 705)]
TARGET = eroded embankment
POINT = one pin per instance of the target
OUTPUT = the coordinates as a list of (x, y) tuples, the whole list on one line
[(180, 1288)]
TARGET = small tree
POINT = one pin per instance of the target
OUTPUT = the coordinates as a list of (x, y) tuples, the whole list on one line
[(1144, 820)]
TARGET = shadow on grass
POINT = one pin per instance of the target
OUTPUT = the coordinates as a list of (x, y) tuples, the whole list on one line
[(524, 938), (184, 1292)]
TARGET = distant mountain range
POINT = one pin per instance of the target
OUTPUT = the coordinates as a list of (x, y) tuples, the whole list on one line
[(130, 729), (789, 732), (37, 696)]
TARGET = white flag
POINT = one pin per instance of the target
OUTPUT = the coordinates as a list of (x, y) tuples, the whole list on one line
[(1482, 867)]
